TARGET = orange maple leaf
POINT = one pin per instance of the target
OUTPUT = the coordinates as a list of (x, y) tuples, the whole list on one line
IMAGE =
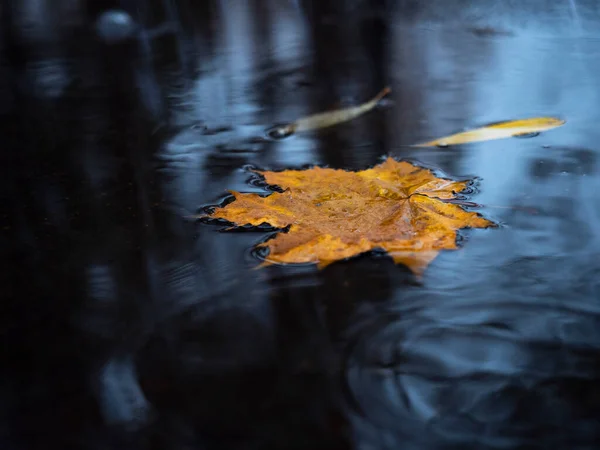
[(333, 214)]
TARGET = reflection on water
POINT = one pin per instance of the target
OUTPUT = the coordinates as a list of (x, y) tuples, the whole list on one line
[(129, 326)]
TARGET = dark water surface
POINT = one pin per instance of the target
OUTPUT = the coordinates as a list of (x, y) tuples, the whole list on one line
[(124, 325)]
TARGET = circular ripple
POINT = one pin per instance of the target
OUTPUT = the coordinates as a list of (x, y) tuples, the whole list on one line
[(423, 383)]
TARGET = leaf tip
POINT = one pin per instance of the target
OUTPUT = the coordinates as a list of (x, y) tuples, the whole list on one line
[(385, 91), (262, 265), (321, 264)]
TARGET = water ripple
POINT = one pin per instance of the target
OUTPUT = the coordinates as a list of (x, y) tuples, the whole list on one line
[(436, 369)]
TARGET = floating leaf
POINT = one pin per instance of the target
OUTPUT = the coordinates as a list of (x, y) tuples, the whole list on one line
[(500, 130), (327, 119), (334, 214)]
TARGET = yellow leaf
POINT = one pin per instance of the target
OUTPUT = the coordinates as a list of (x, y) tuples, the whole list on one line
[(328, 118), (334, 214), (498, 130)]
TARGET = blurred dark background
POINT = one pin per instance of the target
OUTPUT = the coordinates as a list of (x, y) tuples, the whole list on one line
[(126, 325)]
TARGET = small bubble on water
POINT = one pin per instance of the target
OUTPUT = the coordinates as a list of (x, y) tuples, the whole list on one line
[(260, 252), (280, 131), (115, 26)]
